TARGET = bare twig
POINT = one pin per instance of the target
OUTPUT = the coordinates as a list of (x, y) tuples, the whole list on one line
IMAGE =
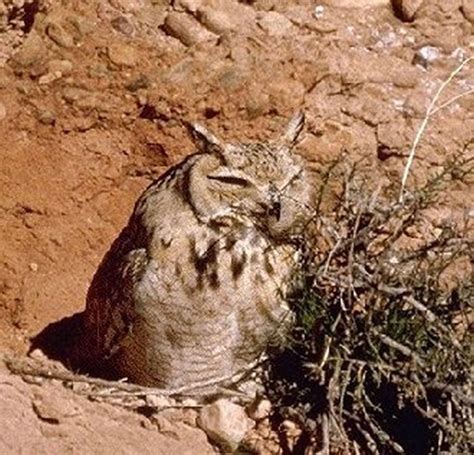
[(429, 112), (385, 339), (452, 100), (29, 367)]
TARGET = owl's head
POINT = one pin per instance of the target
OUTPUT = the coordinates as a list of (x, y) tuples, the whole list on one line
[(263, 183)]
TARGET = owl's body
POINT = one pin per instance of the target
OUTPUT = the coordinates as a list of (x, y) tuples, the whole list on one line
[(193, 290)]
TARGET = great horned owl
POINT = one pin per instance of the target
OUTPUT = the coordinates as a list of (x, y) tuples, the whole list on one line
[(193, 289)]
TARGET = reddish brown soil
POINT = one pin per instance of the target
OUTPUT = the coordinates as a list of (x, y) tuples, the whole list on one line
[(79, 140)]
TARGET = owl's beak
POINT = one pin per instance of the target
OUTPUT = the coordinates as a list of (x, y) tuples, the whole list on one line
[(274, 207)]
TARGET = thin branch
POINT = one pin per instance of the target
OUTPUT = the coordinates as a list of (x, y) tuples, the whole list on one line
[(452, 100), (390, 342), (429, 112), (29, 367)]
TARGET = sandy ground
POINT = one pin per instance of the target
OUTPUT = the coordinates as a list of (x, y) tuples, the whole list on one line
[(92, 94)]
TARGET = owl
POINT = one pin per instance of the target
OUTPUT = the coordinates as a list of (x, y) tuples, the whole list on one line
[(194, 288)]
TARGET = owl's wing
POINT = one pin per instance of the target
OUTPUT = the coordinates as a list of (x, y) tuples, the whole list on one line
[(110, 304), (123, 312)]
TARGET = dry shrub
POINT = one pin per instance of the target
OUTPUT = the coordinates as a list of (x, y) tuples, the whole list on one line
[(379, 359)]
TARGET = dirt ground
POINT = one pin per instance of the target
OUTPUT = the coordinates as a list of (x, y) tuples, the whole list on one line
[(92, 95)]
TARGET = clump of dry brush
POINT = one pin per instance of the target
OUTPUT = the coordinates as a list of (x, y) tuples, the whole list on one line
[(379, 359)]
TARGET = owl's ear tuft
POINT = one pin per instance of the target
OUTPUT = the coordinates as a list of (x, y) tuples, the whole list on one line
[(205, 141), (295, 126)]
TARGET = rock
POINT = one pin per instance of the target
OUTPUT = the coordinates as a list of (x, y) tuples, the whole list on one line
[(292, 431), (426, 55), (3, 111), (225, 423), (467, 9), (46, 117), (217, 21), (186, 29), (158, 401), (164, 425), (142, 99), (187, 5), (84, 124), (318, 11), (260, 409), (49, 77), (355, 3), (28, 413), (123, 25), (49, 407), (60, 66), (84, 99), (128, 6), (31, 52), (275, 24), (80, 26), (138, 83), (122, 54), (73, 94), (406, 9), (38, 354), (57, 34)]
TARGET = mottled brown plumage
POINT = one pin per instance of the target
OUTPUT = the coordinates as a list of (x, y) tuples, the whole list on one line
[(193, 289)]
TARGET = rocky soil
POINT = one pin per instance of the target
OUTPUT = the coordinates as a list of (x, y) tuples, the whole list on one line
[(92, 95)]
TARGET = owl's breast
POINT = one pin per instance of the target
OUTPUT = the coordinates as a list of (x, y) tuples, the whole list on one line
[(214, 271)]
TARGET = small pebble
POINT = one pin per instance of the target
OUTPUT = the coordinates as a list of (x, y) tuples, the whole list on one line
[(142, 99), (3, 111), (289, 425), (318, 11), (140, 82), (122, 54), (47, 117), (186, 29), (158, 401), (31, 52), (218, 22), (123, 25), (49, 77), (260, 409), (275, 24), (426, 55), (37, 353), (187, 5), (406, 9), (57, 33), (73, 94), (226, 423), (62, 66), (128, 6)]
